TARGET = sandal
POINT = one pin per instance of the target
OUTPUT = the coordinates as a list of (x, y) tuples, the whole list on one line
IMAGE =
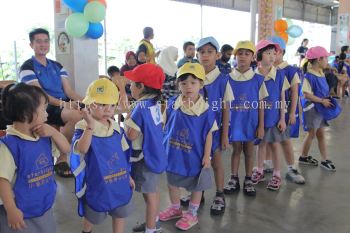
[(62, 169)]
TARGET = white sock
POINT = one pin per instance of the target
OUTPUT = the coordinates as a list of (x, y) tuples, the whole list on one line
[(150, 230), (291, 167)]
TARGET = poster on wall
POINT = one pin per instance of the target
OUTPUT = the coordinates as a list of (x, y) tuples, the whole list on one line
[(63, 43), (344, 29)]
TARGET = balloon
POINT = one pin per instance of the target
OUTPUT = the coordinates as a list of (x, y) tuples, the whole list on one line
[(278, 40), (101, 1), (95, 12), (76, 25), (280, 25), (95, 30), (294, 31), (291, 40), (289, 22), (284, 36), (76, 5)]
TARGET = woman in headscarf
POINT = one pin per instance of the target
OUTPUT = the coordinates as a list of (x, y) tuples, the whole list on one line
[(130, 62), (167, 60)]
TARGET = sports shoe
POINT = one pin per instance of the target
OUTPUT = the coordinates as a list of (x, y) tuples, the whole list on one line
[(232, 186), (170, 213), (274, 184), (328, 165), (248, 188), (185, 201), (257, 177), (186, 222), (142, 227), (294, 176), (218, 206), (308, 161)]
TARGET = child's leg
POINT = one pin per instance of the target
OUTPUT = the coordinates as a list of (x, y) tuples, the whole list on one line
[(174, 210), (87, 225), (152, 209), (235, 158), (218, 171), (194, 204), (258, 174), (118, 225), (307, 142), (248, 148), (288, 152), (322, 143), (174, 194), (276, 160)]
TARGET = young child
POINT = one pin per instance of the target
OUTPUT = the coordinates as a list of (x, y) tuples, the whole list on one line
[(27, 184), (315, 95), (189, 127), (274, 117), (292, 116), (144, 129), (247, 116), (219, 91), (99, 160)]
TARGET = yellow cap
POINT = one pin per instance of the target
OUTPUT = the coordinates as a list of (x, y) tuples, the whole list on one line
[(192, 68), (102, 91), (244, 44)]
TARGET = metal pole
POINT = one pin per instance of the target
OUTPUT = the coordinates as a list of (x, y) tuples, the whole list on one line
[(201, 19), (253, 11), (15, 55), (105, 39)]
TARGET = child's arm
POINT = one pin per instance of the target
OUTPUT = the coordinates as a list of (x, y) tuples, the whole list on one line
[(282, 123), (84, 142), (207, 150), (326, 102), (294, 102), (261, 131), (14, 215), (225, 121), (131, 133)]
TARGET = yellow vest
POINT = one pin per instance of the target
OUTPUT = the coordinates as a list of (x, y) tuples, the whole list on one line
[(150, 51)]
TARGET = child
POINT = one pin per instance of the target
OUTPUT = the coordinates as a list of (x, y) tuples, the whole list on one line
[(104, 185), (274, 117), (247, 116), (315, 95), (219, 92), (144, 129), (292, 116), (188, 139), (27, 184)]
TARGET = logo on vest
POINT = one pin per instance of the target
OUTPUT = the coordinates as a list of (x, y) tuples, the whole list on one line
[(114, 174), (42, 161), (181, 141), (43, 173)]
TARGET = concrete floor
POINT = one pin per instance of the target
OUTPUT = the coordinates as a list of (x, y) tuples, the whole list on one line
[(322, 205)]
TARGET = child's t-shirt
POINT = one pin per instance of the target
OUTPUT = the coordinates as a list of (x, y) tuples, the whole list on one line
[(7, 164)]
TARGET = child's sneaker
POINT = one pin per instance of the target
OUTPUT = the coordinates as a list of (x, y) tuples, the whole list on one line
[(308, 161), (275, 183), (257, 177), (328, 165), (186, 222), (248, 188), (170, 213), (218, 206), (232, 186), (294, 176), (142, 227)]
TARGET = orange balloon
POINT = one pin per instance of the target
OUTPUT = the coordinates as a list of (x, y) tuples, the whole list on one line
[(284, 36), (280, 25), (101, 1)]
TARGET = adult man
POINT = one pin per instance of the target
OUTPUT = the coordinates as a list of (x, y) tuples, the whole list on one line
[(53, 79), (223, 63), (146, 46), (189, 52)]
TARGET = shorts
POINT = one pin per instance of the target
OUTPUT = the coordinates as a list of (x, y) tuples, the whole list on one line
[(191, 183), (273, 134), (146, 181)]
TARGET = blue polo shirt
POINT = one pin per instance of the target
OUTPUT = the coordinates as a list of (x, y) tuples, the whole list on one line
[(49, 76), (224, 68)]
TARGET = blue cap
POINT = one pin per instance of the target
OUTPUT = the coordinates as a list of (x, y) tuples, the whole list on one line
[(208, 40), (278, 40), (331, 112)]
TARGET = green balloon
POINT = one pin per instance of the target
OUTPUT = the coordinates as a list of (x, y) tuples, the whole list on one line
[(95, 12), (291, 40), (76, 25)]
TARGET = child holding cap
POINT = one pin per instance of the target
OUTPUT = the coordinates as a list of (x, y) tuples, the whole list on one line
[(189, 128), (144, 129), (99, 160), (274, 117), (247, 116), (315, 101)]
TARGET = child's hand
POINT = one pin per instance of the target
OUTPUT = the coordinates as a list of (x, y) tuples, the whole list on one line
[(44, 130), (206, 162), (132, 183), (282, 125), (88, 117), (15, 219), (260, 132), (224, 142), (292, 119), (327, 103)]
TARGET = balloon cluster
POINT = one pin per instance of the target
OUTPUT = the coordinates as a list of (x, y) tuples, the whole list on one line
[(287, 30), (86, 18)]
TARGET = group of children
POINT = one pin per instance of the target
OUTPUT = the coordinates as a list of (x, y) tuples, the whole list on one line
[(212, 112)]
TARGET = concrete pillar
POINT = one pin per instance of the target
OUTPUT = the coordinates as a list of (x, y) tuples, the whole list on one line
[(78, 56), (269, 11), (343, 31)]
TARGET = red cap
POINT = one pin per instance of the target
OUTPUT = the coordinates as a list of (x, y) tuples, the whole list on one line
[(149, 74)]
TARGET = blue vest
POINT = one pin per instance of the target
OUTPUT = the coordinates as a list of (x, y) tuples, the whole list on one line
[(35, 186), (290, 71), (273, 101), (106, 174), (147, 115), (184, 140), (245, 109)]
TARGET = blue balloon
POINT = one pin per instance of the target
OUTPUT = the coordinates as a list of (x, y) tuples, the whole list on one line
[(294, 31), (278, 40), (76, 5), (95, 31)]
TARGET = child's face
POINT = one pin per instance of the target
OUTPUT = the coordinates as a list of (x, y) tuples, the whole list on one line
[(244, 58), (207, 56), (190, 87), (190, 51), (102, 112), (136, 91), (115, 77), (279, 56), (131, 61), (323, 62), (268, 57), (142, 57), (40, 116)]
